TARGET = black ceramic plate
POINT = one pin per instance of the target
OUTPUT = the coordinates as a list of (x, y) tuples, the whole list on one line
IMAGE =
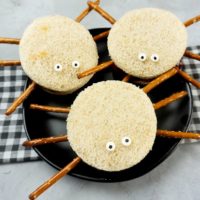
[(38, 124)]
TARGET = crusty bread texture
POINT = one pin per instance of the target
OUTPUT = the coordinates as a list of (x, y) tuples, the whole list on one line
[(106, 113), (147, 42), (54, 49)]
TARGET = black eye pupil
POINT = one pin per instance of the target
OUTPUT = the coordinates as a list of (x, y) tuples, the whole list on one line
[(155, 58), (110, 146), (142, 57), (58, 66), (126, 140)]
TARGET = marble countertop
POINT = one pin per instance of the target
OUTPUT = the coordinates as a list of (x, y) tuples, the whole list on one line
[(178, 177)]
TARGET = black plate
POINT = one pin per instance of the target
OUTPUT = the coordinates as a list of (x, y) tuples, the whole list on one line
[(175, 116)]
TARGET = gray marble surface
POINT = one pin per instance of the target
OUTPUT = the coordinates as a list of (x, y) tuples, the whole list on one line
[(177, 178)]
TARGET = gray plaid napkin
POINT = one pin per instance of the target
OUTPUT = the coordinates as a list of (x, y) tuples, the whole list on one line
[(12, 132), (192, 67)]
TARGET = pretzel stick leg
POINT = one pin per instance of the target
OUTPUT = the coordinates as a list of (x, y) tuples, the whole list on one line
[(178, 134), (21, 98), (169, 99), (102, 12), (126, 78), (192, 21), (189, 54), (9, 63), (95, 69), (49, 108), (86, 12), (49, 140), (159, 80), (101, 35), (189, 78), (9, 40), (54, 178)]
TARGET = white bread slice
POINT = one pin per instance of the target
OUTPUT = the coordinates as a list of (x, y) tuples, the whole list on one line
[(107, 112), (148, 31), (59, 40)]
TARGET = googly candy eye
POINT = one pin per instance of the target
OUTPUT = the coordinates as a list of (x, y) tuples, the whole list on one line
[(58, 67), (142, 57), (75, 64), (126, 141), (155, 57), (110, 146)]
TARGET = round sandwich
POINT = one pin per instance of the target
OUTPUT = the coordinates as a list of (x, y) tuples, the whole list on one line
[(112, 125), (147, 42), (54, 49)]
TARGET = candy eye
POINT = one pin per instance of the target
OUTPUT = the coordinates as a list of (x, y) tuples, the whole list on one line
[(126, 141), (110, 146), (58, 67), (155, 57), (75, 64), (142, 57)]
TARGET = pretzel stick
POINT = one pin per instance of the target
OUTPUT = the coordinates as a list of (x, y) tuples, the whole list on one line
[(102, 12), (95, 69), (178, 134), (9, 40), (49, 108), (101, 35), (159, 80), (86, 12), (169, 99), (188, 78), (126, 78), (21, 98), (54, 178), (41, 141), (9, 63), (189, 54), (192, 21)]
